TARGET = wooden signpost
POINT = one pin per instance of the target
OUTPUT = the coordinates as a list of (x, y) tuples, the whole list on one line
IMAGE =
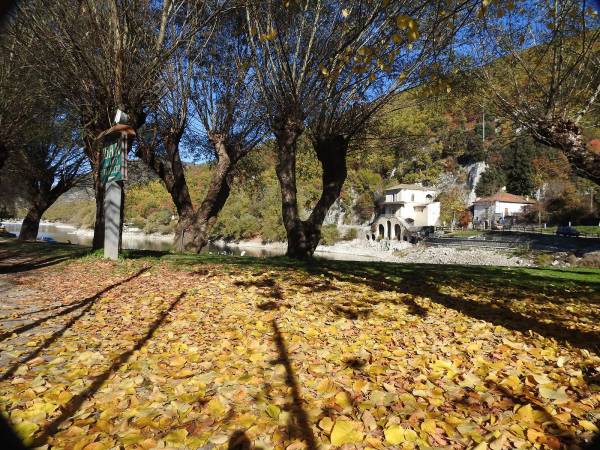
[(113, 171)]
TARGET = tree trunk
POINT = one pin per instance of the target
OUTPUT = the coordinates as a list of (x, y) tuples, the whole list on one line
[(287, 132), (172, 173), (31, 223), (331, 152), (567, 136), (194, 232), (44, 199), (98, 241)]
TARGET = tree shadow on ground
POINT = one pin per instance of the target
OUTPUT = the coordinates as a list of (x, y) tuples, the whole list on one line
[(75, 403), (38, 255), (300, 425), (422, 284), (504, 285), (239, 441), (69, 308), (86, 304)]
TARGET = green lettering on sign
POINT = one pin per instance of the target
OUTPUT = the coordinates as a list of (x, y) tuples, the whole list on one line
[(114, 161)]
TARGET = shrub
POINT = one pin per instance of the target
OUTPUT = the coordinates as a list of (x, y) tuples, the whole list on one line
[(590, 260), (161, 217), (350, 235), (543, 259), (329, 235)]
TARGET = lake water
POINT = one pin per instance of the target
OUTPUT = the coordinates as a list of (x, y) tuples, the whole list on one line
[(140, 241), (131, 241)]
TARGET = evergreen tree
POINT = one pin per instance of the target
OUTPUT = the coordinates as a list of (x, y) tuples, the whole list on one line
[(518, 168), (491, 181)]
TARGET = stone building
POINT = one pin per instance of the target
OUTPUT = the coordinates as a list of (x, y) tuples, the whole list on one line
[(407, 208)]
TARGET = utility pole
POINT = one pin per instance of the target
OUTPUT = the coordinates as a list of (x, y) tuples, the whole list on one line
[(483, 125)]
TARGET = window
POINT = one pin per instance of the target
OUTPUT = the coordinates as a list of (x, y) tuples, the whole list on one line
[(429, 197), (412, 197)]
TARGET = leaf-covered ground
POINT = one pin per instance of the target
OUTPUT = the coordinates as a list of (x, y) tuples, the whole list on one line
[(205, 352)]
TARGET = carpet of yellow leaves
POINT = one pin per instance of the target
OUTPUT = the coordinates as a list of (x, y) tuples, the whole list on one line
[(233, 356)]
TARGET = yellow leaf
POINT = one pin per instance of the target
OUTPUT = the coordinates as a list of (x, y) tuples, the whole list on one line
[(215, 408), (535, 436), (326, 387), (428, 426), (176, 436), (343, 400), (326, 424), (64, 397), (26, 430), (177, 361), (481, 446), (410, 435), (394, 434), (558, 395), (586, 424), (525, 413), (96, 446), (273, 411), (346, 432)]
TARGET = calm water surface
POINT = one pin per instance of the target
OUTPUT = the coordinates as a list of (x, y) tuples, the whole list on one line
[(134, 241)]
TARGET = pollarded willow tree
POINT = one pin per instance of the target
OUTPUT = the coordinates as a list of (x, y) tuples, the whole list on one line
[(48, 162), (328, 67), (103, 55), (209, 102), (538, 64)]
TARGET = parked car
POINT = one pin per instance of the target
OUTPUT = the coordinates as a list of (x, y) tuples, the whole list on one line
[(567, 231)]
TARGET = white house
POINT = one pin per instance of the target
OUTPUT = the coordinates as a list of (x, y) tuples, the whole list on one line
[(498, 207), (406, 207)]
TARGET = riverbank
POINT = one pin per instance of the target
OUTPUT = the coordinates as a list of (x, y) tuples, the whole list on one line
[(356, 250)]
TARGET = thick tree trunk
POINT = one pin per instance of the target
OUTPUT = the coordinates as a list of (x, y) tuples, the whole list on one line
[(172, 173), (44, 199), (567, 136), (195, 232), (31, 224), (331, 152), (287, 133)]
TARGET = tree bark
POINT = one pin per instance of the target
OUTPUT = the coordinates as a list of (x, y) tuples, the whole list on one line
[(31, 224), (331, 152), (172, 173), (287, 132), (567, 136), (43, 201), (194, 232), (304, 236)]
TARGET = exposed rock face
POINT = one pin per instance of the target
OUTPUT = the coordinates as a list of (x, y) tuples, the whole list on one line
[(474, 172)]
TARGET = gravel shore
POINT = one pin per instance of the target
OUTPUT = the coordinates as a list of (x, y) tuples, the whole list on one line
[(451, 255)]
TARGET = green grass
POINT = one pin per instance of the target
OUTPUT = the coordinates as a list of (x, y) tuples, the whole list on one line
[(488, 277), (588, 229)]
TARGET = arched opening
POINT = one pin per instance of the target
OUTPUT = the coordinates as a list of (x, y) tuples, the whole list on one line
[(368, 237), (429, 197), (373, 237), (381, 231), (397, 231), (389, 229)]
